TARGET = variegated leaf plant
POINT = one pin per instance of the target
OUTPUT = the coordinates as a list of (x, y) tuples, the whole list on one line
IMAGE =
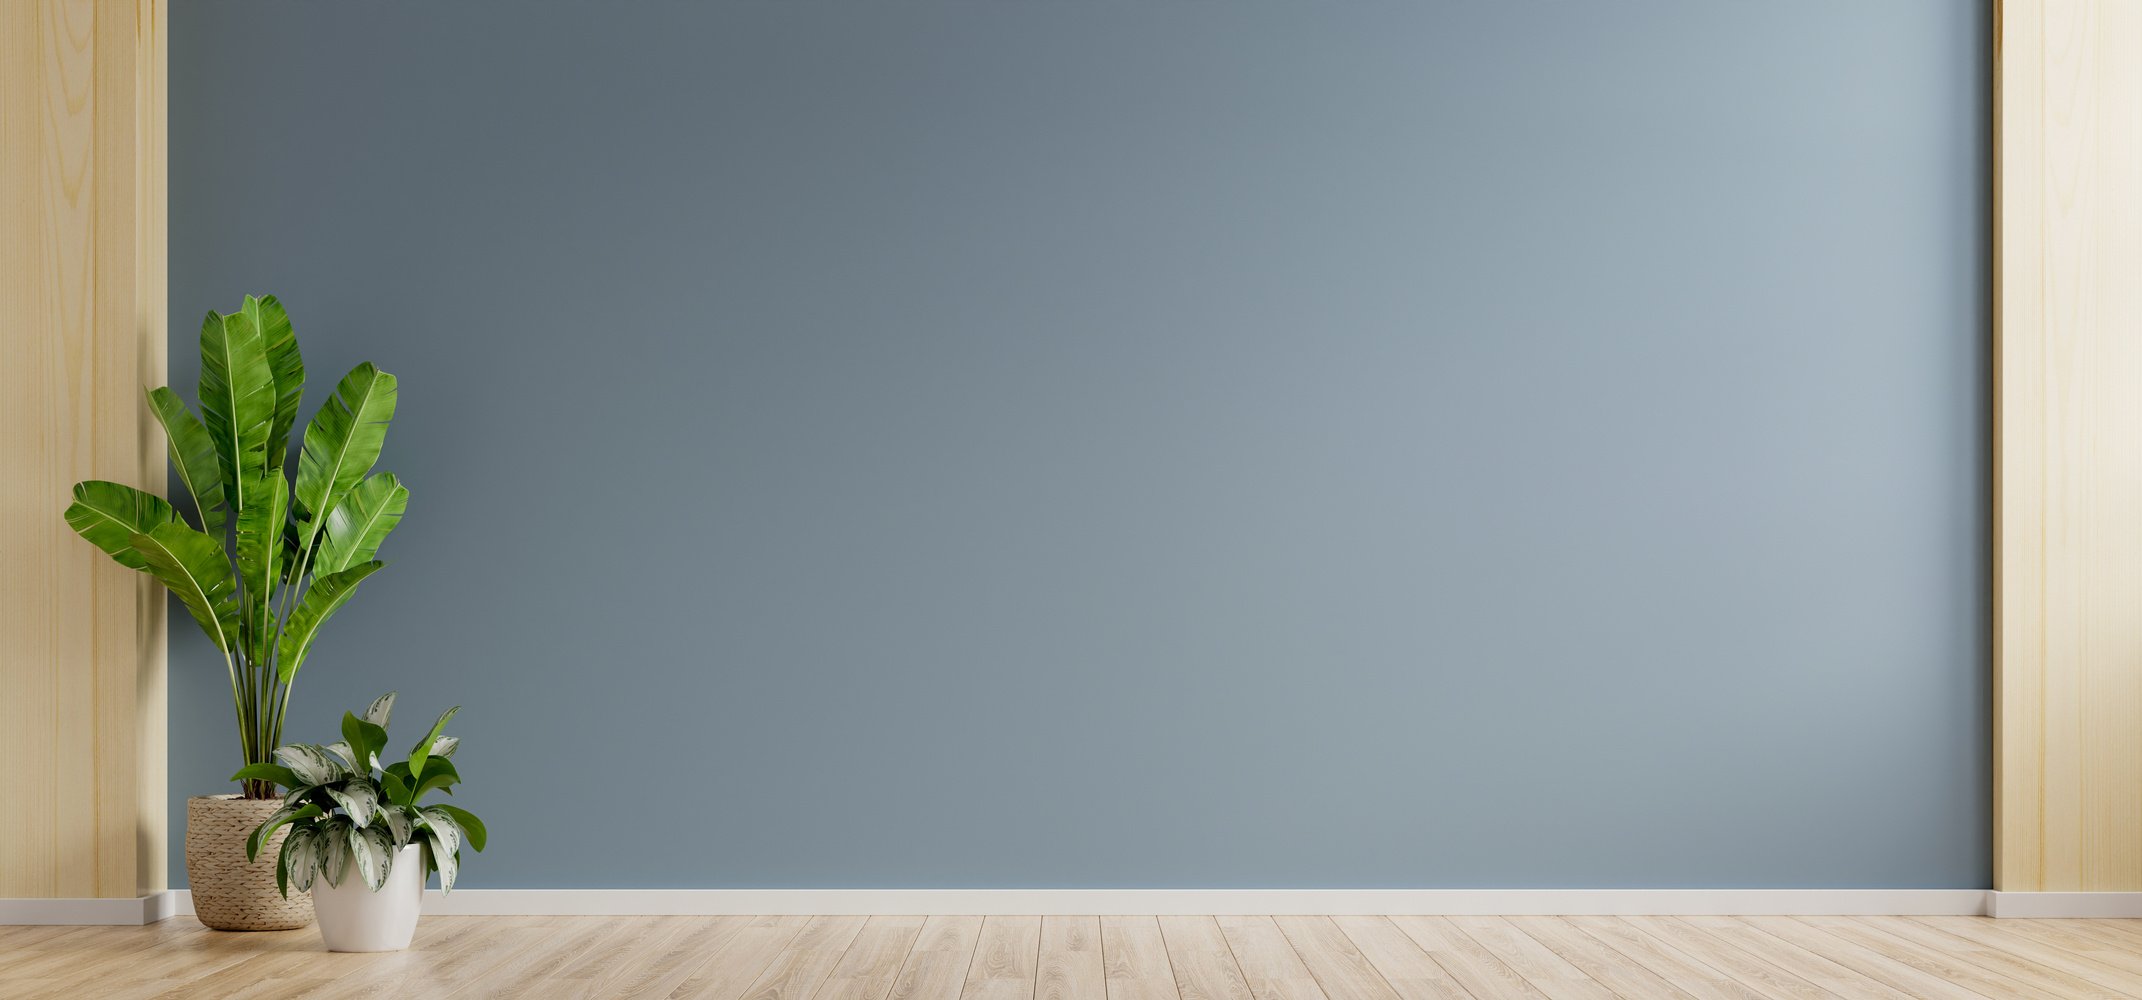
[(346, 811), (267, 556)]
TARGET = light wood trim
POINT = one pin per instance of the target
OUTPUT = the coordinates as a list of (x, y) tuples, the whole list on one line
[(2068, 446), (82, 303)]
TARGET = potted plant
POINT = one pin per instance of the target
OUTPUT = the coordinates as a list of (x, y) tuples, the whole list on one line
[(361, 830), (262, 563)]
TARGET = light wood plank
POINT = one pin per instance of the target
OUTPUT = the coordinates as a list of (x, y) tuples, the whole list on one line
[(1684, 971), (588, 974), (542, 969), (726, 971), (1005, 960), (1071, 967), (1084, 958), (2068, 555), (1134, 960), (447, 954), (1853, 952), (2126, 933), (1340, 969), (2119, 955), (82, 104), (2130, 927), (1992, 934), (283, 988), (1203, 964), (21, 962), (490, 942), (72, 962), (669, 956), (802, 967), (1750, 970), (873, 960), (154, 968), (2039, 979), (1473, 966), (1412, 974), (937, 968), (1546, 971), (1597, 960), (1835, 979)]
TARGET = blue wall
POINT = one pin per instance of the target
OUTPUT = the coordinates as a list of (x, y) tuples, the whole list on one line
[(1140, 444)]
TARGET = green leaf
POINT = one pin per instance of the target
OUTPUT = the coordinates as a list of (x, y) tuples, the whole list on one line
[(311, 764), (357, 798), (298, 861), (237, 400), (446, 861), (275, 773), (374, 855), (282, 868), (267, 827), (379, 710), (294, 551), (335, 858), (471, 827), (260, 551), (423, 747), (284, 364), (305, 857), (398, 823), (365, 739), (438, 773), (360, 521), (109, 515), (343, 441), (443, 824), (322, 599), (445, 746), (397, 786), (193, 454), (194, 567)]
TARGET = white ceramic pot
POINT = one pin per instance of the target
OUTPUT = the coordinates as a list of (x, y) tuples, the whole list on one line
[(352, 917)]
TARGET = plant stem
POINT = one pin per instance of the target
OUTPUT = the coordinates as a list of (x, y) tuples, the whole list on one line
[(292, 595)]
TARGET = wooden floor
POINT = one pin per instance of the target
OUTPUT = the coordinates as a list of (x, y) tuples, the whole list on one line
[(1104, 958)]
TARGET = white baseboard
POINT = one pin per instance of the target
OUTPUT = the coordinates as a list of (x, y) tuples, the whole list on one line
[(2064, 904), (137, 910), (1687, 902)]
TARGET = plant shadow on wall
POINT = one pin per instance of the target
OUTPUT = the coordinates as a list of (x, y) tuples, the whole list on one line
[(265, 562)]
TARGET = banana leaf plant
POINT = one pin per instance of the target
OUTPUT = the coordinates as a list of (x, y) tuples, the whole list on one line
[(345, 811), (267, 558)]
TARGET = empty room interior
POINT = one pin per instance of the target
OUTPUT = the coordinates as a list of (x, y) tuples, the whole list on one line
[(1028, 500)]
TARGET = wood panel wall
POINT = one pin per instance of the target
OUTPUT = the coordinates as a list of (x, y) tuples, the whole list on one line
[(82, 305), (2068, 446)]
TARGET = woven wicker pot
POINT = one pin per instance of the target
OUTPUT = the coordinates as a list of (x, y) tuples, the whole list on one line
[(230, 893)]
